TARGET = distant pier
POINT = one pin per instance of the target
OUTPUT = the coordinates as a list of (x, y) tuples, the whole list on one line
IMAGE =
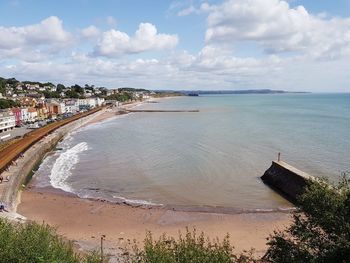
[(132, 110)]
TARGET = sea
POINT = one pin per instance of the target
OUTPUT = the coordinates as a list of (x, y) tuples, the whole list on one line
[(211, 159)]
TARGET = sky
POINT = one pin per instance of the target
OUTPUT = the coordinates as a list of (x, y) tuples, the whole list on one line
[(295, 45)]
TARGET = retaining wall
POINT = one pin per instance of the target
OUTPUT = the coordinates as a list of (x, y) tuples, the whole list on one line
[(286, 179)]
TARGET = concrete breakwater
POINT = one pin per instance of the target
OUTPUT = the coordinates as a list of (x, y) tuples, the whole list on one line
[(286, 179), (18, 172), (132, 110)]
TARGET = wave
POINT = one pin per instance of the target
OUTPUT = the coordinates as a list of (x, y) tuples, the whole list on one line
[(135, 201), (61, 169)]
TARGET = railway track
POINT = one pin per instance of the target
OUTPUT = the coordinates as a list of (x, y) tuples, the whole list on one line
[(13, 151)]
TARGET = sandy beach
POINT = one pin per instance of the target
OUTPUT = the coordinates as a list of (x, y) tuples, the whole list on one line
[(84, 221), (112, 112)]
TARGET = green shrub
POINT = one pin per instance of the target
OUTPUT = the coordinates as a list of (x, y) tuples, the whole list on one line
[(320, 231), (31, 242), (187, 248)]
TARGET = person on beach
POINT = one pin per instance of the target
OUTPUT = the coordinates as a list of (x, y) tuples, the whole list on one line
[(2, 208)]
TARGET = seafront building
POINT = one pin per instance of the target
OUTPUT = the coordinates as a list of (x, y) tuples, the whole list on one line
[(17, 113), (32, 114), (71, 106), (33, 102), (24, 115), (89, 103), (7, 120)]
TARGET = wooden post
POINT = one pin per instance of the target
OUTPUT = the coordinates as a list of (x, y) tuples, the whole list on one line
[(102, 238), (279, 157)]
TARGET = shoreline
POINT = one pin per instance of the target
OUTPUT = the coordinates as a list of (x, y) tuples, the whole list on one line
[(85, 220), (20, 170)]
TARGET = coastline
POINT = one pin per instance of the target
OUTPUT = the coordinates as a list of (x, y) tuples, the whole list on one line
[(20, 170), (84, 220)]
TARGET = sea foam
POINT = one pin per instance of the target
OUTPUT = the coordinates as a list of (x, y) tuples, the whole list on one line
[(63, 165)]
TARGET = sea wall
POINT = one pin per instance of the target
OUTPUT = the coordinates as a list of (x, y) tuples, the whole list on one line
[(286, 179), (18, 173)]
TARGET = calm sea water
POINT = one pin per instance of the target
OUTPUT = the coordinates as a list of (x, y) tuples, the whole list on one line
[(211, 158)]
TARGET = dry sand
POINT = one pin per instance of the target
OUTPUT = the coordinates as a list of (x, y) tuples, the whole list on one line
[(111, 112), (86, 220)]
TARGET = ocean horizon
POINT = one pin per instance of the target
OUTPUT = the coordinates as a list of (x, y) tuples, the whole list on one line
[(211, 158)]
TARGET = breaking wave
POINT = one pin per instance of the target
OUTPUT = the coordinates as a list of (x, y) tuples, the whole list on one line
[(136, 201), (63, 165)]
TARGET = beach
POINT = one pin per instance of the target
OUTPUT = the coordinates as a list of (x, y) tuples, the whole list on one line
[(165, 171), (84, 221)]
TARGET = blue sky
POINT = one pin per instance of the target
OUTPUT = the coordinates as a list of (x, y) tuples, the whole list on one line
[(189, 44)]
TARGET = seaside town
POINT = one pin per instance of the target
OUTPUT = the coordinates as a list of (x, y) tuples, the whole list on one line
[(29, 105), (174, 131)]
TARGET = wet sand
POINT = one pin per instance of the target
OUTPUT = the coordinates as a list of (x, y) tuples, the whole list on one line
[(86, 220)]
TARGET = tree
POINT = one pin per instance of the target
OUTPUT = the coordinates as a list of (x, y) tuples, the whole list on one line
[(77, 88), (60, 88), (122, 97), (320, 231), (2, 86), (72, 94), (5, 104), (51, 94), (87, 86)]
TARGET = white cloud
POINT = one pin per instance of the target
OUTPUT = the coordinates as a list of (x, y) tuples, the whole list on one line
[(278, 28), (212, 68), (90, 32), (25, 51), (48, 31), (115, 43), (204, 7), (187, 11)]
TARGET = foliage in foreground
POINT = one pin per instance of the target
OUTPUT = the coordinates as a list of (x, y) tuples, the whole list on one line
[(190, 247), (320, 231), (31, 242)]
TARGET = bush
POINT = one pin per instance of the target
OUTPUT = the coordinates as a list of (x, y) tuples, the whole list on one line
[(188, 248), (31, 242), (320, 231), (5, 104)]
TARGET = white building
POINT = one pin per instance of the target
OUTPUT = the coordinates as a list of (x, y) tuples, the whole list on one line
[(24, 115), (99, 101), (87, 103), (19, 87), (32, 115), (71, 106), (7, 120)]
